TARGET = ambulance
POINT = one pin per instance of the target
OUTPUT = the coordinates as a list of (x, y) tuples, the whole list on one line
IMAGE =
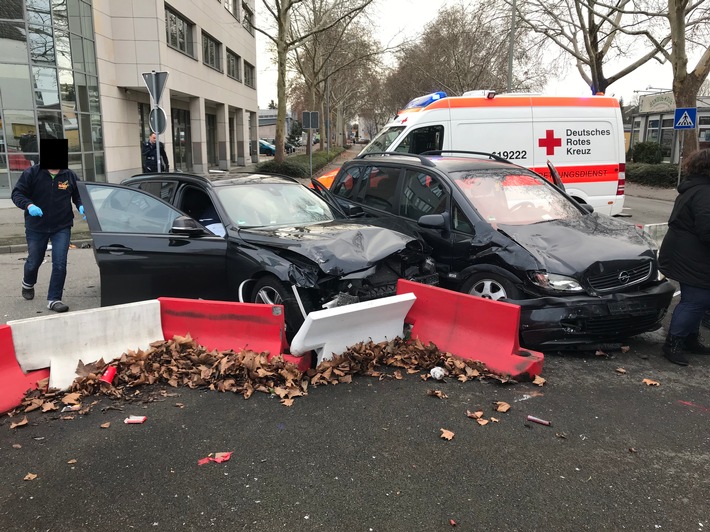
[(583, 137)]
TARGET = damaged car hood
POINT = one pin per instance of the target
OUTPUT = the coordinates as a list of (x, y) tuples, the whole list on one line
[(571, 248), (336, 247)]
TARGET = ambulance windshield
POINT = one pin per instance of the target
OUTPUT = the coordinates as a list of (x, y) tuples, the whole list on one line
[(383, 140)]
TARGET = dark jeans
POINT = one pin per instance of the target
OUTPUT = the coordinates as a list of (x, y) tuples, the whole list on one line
[(689, 312), (36, 248)]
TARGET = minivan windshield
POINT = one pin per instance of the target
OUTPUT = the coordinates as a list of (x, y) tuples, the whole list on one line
[(514, 197), (383, 140)]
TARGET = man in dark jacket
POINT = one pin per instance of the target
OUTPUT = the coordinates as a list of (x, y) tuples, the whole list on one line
[(150, 160), (685, 257), (46, 192)]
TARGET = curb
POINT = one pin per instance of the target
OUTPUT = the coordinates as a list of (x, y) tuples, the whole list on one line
[(22, 248)]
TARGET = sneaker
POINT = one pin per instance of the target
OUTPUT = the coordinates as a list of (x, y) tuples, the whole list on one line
[(57, 306), (28, 293)]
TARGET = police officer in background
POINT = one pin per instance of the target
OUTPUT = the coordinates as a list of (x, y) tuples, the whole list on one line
[(150, 162)]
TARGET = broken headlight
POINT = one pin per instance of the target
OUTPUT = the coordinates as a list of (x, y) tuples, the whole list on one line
[(555, 282)]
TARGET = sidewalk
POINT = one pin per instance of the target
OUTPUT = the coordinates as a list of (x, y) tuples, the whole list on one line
[(12, 224)]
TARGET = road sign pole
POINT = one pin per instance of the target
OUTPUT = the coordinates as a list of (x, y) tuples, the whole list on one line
[(680, 157), (157, 134)]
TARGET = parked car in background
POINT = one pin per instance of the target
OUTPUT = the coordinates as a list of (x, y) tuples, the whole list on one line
[(266, 148), (503, 232), (253, 238), (288, 147)]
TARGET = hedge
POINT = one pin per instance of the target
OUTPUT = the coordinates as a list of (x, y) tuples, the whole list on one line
[(664, 175), (298, 166)]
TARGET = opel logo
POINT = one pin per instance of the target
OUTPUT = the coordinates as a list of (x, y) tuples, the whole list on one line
[(624, 277)]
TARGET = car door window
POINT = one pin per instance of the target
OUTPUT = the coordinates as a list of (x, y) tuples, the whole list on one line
[(460, 220), (198, 205), (381, 189), (165, 190), (350, 182), (126, 210), (422, 194)]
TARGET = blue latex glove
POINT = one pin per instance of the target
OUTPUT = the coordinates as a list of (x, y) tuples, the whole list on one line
[(81, 211), (35, 211)]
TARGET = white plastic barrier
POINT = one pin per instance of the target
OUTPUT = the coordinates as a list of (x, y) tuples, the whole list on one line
[(58, 342), (332, 331)]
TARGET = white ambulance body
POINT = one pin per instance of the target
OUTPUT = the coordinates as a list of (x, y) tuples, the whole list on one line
[(582, 136)]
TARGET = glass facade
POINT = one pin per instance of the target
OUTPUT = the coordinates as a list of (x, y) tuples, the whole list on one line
[(48, 86)]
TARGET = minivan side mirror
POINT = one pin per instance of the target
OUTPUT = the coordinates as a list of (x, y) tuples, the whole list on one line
[(432, 221)]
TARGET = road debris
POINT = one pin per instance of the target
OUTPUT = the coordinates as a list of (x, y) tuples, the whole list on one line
[(135, 419), (539, 421), (217, 458)]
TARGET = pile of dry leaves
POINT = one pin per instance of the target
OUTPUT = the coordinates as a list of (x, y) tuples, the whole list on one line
[(183, 362)]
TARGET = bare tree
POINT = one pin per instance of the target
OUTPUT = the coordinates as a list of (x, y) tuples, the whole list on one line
[(592, 33), (285, 37), (685, 24), (466, 48)]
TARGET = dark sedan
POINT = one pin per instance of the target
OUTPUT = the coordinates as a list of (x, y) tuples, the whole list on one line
[(253, 238), (500, 231)]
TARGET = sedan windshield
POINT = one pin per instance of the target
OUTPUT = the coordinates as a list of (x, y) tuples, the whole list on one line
[(383, 140), (514, 197), (272, 204)]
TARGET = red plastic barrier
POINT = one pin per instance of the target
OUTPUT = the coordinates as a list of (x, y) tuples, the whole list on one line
[(472, 328), (224, 325), (13, 381)]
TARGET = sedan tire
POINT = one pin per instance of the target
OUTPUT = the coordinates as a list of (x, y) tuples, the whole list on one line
[(271, 291)]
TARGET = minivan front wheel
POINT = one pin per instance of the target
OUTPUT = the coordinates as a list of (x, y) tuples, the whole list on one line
[(491, 286)]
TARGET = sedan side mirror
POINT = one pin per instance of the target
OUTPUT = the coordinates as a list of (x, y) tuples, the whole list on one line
[(184, 225), (587, 207), (353, 211), (432, 221)]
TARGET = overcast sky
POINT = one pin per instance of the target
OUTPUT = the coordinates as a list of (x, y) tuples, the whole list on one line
[(408, 18)]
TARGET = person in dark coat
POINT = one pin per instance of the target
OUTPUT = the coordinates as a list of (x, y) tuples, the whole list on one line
[(45, 192), (150, 161), (685, 257)]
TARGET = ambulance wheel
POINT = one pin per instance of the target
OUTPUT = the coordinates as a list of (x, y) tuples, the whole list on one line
[(271, 291), (491, 286)]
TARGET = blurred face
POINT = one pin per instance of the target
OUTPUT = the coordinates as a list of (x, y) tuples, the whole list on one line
[(152, 138)]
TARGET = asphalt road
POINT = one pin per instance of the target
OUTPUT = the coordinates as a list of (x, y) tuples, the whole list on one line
[(619, 455)]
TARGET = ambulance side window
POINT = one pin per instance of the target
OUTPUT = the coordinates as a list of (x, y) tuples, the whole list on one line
[(422, 139)]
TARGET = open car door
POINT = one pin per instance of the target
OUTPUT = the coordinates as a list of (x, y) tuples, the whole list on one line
[(145, 248)]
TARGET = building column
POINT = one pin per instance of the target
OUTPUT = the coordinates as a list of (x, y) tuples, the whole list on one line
[(241, 131), (254, 135), (198, 130), (223, 136)]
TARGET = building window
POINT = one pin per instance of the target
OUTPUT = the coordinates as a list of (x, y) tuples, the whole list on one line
[(234, 65), (233, 7), (248, 21), (210, 52), (704, 128), (249, 79), (178, 32)]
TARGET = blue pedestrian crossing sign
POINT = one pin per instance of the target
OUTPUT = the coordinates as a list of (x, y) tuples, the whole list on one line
[(685, 118)]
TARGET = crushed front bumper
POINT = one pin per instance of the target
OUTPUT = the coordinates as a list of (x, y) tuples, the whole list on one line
[(558, 322)]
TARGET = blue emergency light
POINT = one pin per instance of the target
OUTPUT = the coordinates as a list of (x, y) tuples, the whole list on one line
[(423, 101)]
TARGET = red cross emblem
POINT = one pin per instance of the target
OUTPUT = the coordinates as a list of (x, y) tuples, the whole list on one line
[(550, 142)]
